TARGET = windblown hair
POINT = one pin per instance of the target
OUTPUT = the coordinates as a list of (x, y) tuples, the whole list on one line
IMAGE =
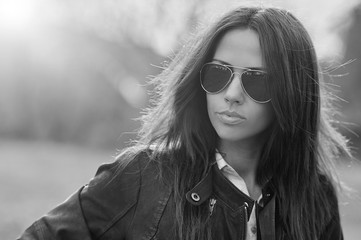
[(303, 141)]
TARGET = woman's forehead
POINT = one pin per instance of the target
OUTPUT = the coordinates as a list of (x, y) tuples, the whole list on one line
[(240, 47)]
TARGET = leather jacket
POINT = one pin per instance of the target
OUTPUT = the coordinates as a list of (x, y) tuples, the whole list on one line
[(130, 202)]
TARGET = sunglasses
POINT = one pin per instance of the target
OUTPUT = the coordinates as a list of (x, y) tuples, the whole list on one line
[(216, 77)]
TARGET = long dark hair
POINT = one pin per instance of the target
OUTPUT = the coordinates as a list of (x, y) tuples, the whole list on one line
[(302, 142)]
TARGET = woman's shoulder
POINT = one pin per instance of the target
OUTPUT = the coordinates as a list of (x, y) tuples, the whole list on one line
[(127, 168), (119, 187)]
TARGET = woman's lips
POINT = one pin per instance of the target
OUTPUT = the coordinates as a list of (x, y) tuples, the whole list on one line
[(229, 117)]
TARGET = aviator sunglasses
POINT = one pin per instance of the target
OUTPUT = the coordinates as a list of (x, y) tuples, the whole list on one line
[(216, 77)]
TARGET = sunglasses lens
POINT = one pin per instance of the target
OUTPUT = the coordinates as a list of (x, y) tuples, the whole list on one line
[(215, 77), (255, 84)]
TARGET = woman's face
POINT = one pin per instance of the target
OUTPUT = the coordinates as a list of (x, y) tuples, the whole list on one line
[(233, 114)]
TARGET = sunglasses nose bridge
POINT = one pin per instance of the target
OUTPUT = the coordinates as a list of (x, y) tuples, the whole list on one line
[(239, 75), (235, 89)]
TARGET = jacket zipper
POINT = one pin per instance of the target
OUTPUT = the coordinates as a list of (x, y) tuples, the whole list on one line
[(245, 208)]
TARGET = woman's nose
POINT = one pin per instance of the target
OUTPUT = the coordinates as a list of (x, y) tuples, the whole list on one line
[(234, 92)]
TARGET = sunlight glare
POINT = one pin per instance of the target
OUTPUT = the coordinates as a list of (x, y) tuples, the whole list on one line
[(17, 16)]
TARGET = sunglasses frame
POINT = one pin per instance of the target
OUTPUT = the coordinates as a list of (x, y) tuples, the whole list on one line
[(229, 67)]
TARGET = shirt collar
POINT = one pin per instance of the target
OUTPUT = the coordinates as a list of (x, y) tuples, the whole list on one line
[(221, 163), (231, 174)]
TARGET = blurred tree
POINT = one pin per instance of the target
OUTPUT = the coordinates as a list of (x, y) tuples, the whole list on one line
[(65, 86)]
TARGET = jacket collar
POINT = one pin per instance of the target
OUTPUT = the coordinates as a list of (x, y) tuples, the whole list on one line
[(202, 191), (215, 183)]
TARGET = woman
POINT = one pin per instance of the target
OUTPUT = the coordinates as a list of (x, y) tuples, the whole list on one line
[(237, 146)]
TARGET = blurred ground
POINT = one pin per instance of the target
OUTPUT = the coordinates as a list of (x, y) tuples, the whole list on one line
[(36, 176)]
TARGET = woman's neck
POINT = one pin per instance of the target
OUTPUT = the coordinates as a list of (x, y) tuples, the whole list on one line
[(244, 159)]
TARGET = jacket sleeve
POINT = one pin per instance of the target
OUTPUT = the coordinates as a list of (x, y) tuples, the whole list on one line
[(92, 210), (64, 222)]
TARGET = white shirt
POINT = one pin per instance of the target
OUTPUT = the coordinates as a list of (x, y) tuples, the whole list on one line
[(233, 176)]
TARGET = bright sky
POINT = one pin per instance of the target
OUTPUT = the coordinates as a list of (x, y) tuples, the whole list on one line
[(23, 17), (51, 36), (158, 24)]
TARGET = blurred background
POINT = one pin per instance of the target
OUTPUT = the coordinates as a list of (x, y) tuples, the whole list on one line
[(73, 79)]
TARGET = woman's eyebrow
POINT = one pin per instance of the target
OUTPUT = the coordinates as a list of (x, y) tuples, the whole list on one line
[(220, 61), (230, 65), (257, 68)]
